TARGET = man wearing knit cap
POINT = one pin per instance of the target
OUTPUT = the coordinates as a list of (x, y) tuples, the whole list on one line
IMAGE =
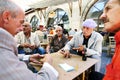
[(87, 41)]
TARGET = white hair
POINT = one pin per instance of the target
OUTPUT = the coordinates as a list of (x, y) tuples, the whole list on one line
[(58, 27), (8, 5)]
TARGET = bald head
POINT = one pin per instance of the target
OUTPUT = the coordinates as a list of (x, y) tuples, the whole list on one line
[(26, 28), (26, 24)]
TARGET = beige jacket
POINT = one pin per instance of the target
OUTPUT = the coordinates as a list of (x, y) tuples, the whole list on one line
[(13, 69)]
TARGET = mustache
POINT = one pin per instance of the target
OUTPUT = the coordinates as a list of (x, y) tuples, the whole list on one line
[(105, 20)]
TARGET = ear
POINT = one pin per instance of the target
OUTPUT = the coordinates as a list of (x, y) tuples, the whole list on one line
[(6, 16)]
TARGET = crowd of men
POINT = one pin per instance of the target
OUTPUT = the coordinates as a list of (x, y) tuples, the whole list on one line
[(87, 41)]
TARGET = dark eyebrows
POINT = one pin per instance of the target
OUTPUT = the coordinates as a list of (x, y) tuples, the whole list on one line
[(107, 7)]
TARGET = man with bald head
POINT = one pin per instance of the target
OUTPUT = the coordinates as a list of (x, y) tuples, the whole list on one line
[(11, 68), (28, 42), (58, 41)]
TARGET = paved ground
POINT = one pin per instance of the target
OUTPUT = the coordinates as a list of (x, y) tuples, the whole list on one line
[(105, 60)]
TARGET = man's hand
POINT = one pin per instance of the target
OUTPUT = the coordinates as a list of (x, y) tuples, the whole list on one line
[(35, 58), (66, 53), (80, 48), (33, 47), (26, 45), (47, 59)]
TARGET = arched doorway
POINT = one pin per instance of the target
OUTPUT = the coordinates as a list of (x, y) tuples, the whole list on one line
[(34, 23), (58, 16), (95, 11)]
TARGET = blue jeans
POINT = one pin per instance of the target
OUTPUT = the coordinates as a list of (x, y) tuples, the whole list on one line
[(39, 50)]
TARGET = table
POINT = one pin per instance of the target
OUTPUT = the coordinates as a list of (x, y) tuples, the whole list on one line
[(75, 61)]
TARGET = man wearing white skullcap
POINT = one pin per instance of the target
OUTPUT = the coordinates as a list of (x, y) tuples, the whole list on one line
[(87, 41), (89, 23)]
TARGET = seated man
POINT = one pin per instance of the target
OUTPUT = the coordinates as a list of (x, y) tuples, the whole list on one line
[(58, 41), (39, 33), (11, 18), (87, 41), (28, 43)]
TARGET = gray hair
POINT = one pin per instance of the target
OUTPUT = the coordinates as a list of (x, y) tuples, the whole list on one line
[(58, 27), (8, 5)]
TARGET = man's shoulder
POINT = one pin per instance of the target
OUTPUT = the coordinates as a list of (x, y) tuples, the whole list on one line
[(39, 32), (78, 33), (98, 35), (20, 33), (4, 34), (4, 43)]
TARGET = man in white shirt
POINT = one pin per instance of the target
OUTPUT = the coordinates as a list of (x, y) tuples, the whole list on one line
[(11, 68), (28, 42)]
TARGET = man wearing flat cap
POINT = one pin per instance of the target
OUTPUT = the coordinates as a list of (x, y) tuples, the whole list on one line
[(86, 40)]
